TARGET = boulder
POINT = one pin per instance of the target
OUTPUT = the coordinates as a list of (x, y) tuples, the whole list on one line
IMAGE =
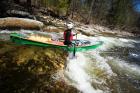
[(20, 23), (18, 13), (30, 69)]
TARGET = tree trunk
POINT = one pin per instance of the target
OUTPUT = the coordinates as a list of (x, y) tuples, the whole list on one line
[(17, 1), (29, 3), (68, 9), (90, 11)]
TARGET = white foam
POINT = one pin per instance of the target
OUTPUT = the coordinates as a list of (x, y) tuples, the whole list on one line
[(126, 68), (109, 42), (6, 32), (82, 79), (101, 62), (76, 72)]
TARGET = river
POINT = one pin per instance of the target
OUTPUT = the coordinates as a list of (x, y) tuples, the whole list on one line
[(112, 68)]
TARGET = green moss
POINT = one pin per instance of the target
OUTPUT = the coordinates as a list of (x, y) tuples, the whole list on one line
[(25, 69)]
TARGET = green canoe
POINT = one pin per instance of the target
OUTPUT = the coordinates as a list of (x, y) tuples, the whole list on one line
[(22, 39)]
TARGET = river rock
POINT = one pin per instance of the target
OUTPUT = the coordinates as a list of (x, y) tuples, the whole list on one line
[(54, 29), (19, 23), (19, 13), (31, 69)]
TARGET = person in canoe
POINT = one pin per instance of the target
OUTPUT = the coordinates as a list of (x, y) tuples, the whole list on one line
[(68, 38), (68, 35)]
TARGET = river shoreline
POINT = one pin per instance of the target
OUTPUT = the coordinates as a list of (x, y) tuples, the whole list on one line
[(32, 60), (58, 25)]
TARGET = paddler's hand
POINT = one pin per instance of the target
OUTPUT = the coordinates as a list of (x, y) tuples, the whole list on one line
[(75, 34)]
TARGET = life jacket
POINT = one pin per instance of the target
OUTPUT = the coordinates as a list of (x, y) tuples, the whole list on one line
[(68, 36)]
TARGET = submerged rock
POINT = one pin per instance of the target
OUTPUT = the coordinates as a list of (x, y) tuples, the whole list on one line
[(29, 69)]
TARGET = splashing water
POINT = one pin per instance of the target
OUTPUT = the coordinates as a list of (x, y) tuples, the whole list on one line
[(77, 74), (90, 71), (103, 70)]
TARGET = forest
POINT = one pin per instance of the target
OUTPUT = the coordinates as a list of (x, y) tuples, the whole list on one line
[(122, 14)]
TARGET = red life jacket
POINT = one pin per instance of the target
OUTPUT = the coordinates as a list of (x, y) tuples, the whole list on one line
[(68, 36)]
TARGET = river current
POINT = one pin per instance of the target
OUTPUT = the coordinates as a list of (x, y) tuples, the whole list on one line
[(114, 67)]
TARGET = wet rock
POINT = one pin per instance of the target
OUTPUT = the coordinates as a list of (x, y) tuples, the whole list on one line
[(29, 69), (18, 13), (54, 29), (19, 23), (49, 20), (97, 30)]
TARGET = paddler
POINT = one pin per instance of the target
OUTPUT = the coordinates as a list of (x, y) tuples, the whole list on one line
[(68, 38), (68, 35)]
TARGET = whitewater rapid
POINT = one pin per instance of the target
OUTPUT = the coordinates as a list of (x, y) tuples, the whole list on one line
[(89, 72), (97, 72)]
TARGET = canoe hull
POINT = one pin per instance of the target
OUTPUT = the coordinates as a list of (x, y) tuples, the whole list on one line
[(19, 39)]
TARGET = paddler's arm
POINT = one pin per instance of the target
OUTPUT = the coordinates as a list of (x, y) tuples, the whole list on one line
[(74, 33)]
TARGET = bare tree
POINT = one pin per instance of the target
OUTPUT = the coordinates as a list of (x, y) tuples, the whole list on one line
[(90, 11)]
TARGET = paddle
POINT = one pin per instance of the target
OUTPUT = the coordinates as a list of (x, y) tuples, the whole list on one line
[(74, 51)]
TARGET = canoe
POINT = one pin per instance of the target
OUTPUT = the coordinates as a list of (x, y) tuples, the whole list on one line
[(25, 40)]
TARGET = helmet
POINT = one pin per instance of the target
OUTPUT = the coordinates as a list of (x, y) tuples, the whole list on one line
[(70, 25)]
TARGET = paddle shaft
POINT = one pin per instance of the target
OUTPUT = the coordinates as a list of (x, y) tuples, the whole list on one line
[(74, 52)]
